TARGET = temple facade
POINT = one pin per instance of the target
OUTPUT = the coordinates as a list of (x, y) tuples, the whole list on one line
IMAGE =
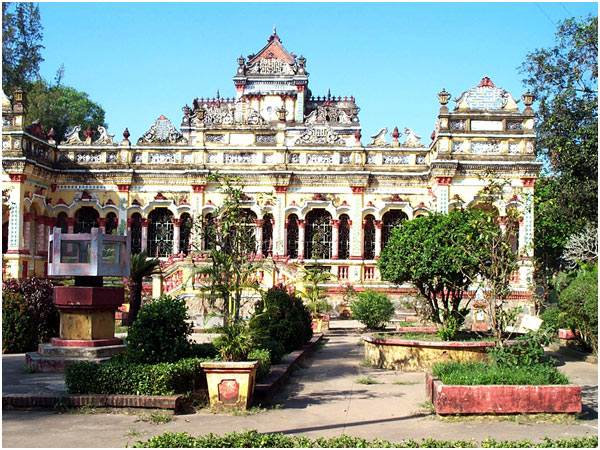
[(316, 187)]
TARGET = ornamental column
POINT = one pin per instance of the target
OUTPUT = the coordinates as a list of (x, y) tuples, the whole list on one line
[(176, 234), (301, 229), (197, 201), (356, 234), (442, 192), (40, 242), (259, 237), (71, 221), (335, 231), (378, 226), (145, 223), (26, 232), (280, 233), (50, 224), (123, 203), (102, 224)]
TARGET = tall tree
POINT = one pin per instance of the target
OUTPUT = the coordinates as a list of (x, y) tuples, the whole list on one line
[(21, 45), (564, 79)]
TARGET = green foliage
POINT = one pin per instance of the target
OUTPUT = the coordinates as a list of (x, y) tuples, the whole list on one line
[(253, 439), (373, 309), (528, 353), (475, 373), (264, 362), (554, 319), (234, 343), (62, 108), (21, 45), (140, 267), (314, 295), (579, 301), (206, 350), (18, 324), (160, 333), (119, 376), (424, 252), (564, 78), (281, 323), (38, 295)]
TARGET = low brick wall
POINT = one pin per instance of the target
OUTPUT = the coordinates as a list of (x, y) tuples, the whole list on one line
[(172, 402), (413, 356), (502, 399)]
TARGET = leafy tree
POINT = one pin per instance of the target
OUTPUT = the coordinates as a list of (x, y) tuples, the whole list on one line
[(423, 252), (565, 78), (62, 108), (141, 267), (314, 295), (21, 45)]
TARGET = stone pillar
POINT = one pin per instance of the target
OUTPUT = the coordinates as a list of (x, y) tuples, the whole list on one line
[(40, 242), (442, 192), (129, 224), (156, 285), (280, 233), (71, 221), (356, 234), (301, 229), (50, 224), (335, 228), (378, 227), (259, 237), (197, 201), (145, 223), (102, 224), (26, 232), (176, 234)]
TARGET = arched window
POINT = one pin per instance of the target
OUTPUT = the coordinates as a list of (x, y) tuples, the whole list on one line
[(61, 222), (136, 233), (369, 237), (344, 237), (318, 234), (160, 233), (112, 223), (185, 230), (292, 236), (391, 219), (87, 218), (267, 235)]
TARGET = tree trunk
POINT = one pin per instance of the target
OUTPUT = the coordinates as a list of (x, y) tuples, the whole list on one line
[(135, 300)]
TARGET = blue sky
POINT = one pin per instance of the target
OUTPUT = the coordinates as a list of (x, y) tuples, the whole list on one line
[(141, 60)]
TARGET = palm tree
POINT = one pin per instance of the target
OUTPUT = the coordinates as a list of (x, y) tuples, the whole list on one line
[(313, 294), (141, 267)]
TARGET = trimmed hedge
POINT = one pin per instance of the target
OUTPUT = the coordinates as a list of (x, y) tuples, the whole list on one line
[(117, 376), (480, 373), (253, 439), (373, 309), (19, 326)]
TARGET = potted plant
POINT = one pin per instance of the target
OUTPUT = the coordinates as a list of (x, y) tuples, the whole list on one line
[(230, 273), (314, 297)]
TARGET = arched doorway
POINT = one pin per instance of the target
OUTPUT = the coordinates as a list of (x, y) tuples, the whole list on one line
[(292, 236), (136, 233), (87, 218), (160, 233), (369, 237), (344, 237), (391, 220), (185, 231), (318, 234), (112, 223)]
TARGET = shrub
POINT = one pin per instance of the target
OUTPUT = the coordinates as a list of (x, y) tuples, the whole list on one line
[(554, 319), (38, 296), (118, 376), (579, 300), (254, 439), (234, 343), (206, 350), (528, 353), (475, 373), (280, 318), (19, 327), (160, 333), (373, 309), (264, 361)]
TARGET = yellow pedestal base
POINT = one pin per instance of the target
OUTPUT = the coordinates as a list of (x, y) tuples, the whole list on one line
[(87, 325)]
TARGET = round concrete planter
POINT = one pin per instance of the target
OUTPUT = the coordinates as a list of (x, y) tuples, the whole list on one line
[(230, 383), (414, 356)]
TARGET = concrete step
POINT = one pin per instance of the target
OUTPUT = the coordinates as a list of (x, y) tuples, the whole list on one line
[(35, 361), (52, 351)]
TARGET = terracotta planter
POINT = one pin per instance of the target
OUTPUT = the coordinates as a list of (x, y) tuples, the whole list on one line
[(230, 383), (502, 399)]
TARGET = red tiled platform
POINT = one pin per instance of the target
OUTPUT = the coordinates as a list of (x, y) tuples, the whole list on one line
[(85, 342)]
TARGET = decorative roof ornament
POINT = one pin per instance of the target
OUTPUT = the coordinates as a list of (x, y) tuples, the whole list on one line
[(72, 137), (105, 137), (412, 140), (379, 139), (319, 135), (486, 97), (162, 132)]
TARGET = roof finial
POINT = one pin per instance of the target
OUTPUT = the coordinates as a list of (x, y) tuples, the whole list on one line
[(274, 30)]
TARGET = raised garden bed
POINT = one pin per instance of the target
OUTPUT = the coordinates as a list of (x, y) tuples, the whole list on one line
[(502, 399), (417, 355)]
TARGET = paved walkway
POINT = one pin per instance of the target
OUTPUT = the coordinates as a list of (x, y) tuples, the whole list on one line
[(324, 398)]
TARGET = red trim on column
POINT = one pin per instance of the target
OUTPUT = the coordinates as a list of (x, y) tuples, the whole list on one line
[(280, 189), (528, 182), (443, 181), (17, 177), (198, 188), (357, 189), (123, 187)]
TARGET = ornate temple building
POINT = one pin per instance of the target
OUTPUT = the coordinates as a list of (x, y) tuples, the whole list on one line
[(309, 173)]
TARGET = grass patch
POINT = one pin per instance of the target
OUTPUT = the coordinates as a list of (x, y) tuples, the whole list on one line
[(427, 407), (434, 337), (367, 380), (366, 363), (404, 383), (131, 433), (522, 419), (479, 373), (157, 417)]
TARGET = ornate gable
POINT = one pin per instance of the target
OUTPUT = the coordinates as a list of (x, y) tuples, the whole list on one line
[(486, 97)]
